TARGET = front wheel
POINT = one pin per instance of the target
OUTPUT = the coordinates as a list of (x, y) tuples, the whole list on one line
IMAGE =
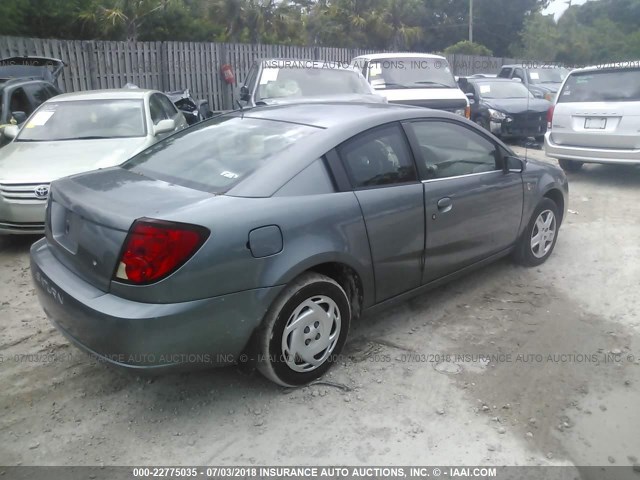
[(570, 165), (304, 330), (539, 238)]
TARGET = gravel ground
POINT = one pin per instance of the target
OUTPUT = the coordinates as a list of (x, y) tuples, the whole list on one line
[(562, 386)]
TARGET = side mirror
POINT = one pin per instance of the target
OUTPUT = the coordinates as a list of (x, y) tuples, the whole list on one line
[(11, 131), (244, 93), (19, 117), (514, 164), (538, 94), (471, 97), (164, 126)]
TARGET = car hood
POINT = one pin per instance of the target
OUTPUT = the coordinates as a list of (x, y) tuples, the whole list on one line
[(353, 97), (518, 105), (43, 162)]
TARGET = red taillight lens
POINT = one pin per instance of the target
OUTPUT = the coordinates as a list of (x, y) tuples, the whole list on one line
[(154, 249), (550, 116)]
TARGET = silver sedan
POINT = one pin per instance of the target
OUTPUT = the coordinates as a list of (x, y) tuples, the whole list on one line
[(76, 133)]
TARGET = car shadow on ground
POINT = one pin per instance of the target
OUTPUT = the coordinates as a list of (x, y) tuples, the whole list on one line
[(607, 174), (16, 244)]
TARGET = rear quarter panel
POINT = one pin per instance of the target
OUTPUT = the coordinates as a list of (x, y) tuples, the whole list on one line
[(315, 229)]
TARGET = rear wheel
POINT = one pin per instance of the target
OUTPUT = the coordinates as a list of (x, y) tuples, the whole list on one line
[(539, 238), (570, 165), (304, 330)]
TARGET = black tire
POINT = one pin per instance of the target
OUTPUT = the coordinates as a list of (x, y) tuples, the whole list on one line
[(570, 165), (272, 359), (524, 253)]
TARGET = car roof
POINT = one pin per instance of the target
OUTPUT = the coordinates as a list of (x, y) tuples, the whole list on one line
[(113, 94), (625, 65), (336, 122), (381, 56)]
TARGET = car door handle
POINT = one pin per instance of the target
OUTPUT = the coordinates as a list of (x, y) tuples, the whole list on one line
[(444, 205)]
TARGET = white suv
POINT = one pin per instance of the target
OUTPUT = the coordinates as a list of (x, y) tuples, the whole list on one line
[(596, 117)]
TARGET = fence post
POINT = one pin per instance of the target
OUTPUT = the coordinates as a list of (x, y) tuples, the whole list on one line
[(89, 48), (164, 67), (227, 96)]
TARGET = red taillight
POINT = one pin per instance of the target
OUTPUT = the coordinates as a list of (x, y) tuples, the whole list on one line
[(154, 249), (550, 116)]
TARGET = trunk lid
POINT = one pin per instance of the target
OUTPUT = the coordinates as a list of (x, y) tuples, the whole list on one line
[(89, 216)]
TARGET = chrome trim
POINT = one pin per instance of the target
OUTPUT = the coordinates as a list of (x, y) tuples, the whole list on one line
[(462, 176)]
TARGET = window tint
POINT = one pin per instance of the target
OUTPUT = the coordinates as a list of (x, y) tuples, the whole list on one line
[(38, 93), (378, 157), (216, 154), (157, 110), (504, 73), (168, 107), (19, 102), (51, 91), (519, 73), (602, 86), (450, 150)]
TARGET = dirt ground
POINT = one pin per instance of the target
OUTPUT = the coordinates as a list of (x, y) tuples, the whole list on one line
[(508, 366)]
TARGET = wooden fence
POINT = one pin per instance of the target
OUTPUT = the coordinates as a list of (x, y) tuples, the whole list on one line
[(178, 65)]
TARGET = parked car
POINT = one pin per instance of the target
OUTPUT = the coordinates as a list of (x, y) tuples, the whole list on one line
[(278, 81), (506, 108), (417, 79), (25, 83), (544, 82), (73, 133), (194, 111), (277, 227), (595, 117)]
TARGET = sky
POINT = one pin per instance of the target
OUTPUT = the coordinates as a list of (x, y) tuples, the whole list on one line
[(557, 7)]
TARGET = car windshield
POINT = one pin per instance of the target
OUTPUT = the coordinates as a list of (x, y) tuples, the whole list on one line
[(85, 120), (500, 90), (217, 154), (602, 86), (411, 72), (547, 75), (309, 80)]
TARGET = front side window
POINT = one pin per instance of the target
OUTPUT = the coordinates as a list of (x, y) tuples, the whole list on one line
[(169, 108), (602, 86), (19, 102), (450, 150), (213, 156), (379, 157), (156, 109), (85, 120)]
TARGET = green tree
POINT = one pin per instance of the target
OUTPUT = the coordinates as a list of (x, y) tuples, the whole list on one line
[(466, 47)]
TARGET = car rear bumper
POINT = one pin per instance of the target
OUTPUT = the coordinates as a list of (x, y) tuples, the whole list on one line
[(590, 155), (195, 334)]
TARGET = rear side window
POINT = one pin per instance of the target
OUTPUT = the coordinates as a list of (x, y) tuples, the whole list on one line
[(378, 157), (215, 155), (602, 86)]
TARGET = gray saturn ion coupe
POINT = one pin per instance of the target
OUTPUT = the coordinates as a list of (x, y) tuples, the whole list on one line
[(262, 234)]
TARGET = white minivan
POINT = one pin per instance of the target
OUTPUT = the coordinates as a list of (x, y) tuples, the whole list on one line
[(596, 117), (418, 79)]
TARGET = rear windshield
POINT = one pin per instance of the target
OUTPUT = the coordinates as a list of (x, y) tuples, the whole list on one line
[(548, 75), (602, 86), (215, 155)]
